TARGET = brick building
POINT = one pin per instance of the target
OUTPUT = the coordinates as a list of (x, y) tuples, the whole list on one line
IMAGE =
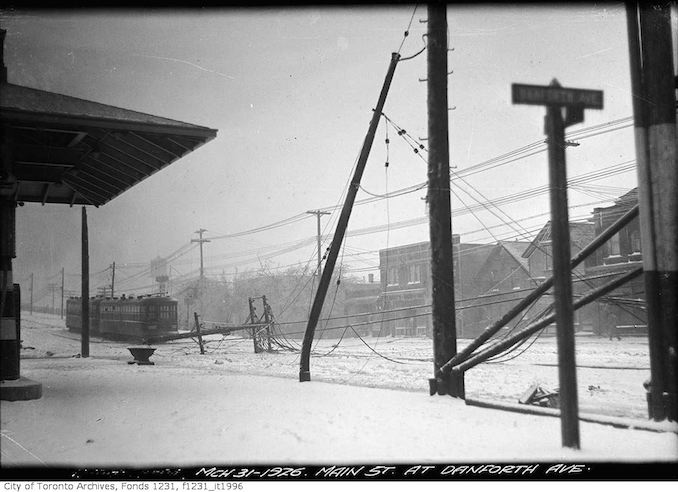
[(625, 307), (406, 283)]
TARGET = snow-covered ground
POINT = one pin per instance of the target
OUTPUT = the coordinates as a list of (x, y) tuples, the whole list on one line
[(231, 405)]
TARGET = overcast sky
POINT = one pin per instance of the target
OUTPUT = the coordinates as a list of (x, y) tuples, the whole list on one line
[(290, 92)]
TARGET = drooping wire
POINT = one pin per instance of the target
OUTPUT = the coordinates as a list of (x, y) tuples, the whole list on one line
[(407, 31)]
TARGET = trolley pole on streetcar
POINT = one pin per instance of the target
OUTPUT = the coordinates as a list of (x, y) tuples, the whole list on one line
[(318, 213), (555, 97), (440, 214)]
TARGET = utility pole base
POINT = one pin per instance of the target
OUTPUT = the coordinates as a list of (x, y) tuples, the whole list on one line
[(304, 376), (452, 385)]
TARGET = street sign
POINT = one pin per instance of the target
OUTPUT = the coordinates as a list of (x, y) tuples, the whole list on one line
[(553, 95)]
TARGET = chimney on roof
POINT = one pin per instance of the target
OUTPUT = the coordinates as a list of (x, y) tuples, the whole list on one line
[(3, 68)]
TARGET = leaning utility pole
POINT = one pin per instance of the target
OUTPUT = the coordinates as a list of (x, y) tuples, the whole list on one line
[(653, 84), (440, 214), (318, 213), (335, 246)]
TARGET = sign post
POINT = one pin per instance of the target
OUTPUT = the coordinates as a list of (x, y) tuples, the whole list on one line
[(555, 97)]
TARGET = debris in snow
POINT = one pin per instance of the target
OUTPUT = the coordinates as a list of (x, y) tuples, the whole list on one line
[(89, 441), (49, 354), (536, 395), (218, 361)]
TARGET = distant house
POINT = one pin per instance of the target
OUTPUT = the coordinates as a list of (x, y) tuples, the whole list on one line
[(625, 307), (539, 255), (361, 305), (539, 252), (501, 282)]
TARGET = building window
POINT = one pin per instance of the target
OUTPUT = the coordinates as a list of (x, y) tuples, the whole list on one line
[(635, 242), (392, 277), (414, 274), (614, 245)]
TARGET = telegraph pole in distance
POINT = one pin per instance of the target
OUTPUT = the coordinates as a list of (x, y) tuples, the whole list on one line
[(440, 214), (31, 293), (200, 232), (113, 281), (52, 287), (62, 292), (318, 213)]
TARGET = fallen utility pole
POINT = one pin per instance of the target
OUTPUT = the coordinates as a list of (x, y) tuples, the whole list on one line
[(218, 330), (440, 211), (335, 246), (653, 85), (491, 330), (534, 327)]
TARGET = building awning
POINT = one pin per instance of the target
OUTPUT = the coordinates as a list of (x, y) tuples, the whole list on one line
[(68, 150)]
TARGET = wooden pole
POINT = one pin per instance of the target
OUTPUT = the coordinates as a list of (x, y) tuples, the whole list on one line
[(440, 215), (253, 320), (197, 330), (62, 292), (335, 246), (84, 332), (562, 281), (318, 213), (113, 281), (654, 108), (603, 237), (542, 323), (267, 318)]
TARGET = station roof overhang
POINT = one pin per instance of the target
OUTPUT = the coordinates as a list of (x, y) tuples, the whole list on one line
[(63, 149)]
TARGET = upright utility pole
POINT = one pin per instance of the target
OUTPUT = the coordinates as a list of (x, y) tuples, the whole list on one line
[(52, 287), (318, 213), (440, 214), (62, 292), (200, 232), (562, 275), (84, 332), (574, 101), (31, 293), (113, 281), (654, 107), (335, 246)]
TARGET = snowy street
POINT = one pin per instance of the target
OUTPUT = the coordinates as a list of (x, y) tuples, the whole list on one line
[(232, 406)]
